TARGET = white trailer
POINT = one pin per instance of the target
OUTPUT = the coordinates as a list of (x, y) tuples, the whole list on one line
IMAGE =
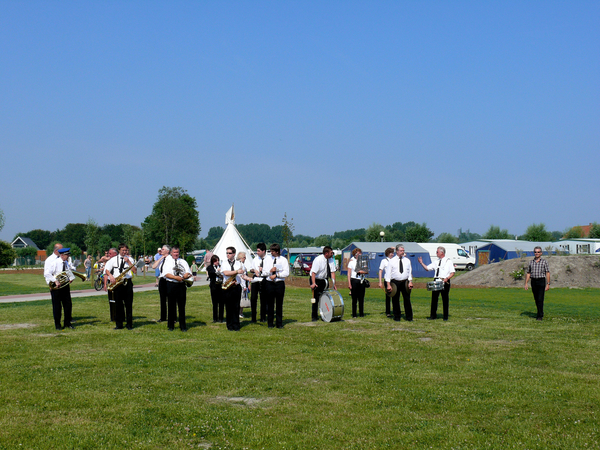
[(458, 255)]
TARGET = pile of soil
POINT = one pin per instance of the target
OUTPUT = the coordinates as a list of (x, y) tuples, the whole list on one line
[(581, 271)]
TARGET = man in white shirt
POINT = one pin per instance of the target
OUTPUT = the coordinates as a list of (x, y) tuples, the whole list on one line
[(389, 252), (176, 270), (229, 268), (61, 294), (444, 270), (276, 270), (399, 272), (257, 284), (159, 262), (123, 294), (322, 269)]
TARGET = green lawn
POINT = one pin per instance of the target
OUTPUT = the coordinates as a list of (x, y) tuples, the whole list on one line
[(492, 377)]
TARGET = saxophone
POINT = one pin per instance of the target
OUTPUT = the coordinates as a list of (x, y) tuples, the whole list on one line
[(119, 280), (229, 282)]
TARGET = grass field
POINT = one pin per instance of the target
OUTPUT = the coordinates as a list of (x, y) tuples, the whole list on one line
[(491, 377)]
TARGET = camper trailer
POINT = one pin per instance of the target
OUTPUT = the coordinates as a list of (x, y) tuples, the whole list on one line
[(459, 256)]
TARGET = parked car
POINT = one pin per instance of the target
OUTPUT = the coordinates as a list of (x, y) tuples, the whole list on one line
[(303, 264)]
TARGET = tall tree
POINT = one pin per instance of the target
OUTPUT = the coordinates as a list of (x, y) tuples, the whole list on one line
[(1, 219), (373, 232), (7, 254), (494, 232), (466, 236), (574, 233), (174, 219), (595, 231), (288, 231), (73, 233), (92, 235), (41, 237), (447, 238), (418, 233), (537, 233)]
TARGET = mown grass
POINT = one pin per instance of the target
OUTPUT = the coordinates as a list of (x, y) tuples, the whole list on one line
[(491, 377)]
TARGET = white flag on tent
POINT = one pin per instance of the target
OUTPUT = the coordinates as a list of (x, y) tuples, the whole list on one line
[(230, 216)]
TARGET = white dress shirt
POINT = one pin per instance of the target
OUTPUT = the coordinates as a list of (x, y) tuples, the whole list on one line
[(49, 268), (280, 263), (445, 265), (319, 267), (393, 269), (257, 269), (237, 265), (115, 263), (169, 267)]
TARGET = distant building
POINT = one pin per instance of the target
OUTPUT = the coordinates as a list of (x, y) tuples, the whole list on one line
[(21, 242), (585, 230), (579, 246)]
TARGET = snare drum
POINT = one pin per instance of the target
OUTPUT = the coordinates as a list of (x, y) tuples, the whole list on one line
[(331, 306), (435, 285)]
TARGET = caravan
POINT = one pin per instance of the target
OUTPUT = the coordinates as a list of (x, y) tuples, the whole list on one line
[(459, 256)]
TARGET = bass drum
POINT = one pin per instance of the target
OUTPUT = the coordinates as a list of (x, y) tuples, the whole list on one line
[(331, 306)]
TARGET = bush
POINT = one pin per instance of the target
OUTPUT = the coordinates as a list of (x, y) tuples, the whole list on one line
[(7, 254), (517, 274)]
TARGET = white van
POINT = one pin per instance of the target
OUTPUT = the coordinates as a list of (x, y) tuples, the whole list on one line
[(458, 255)]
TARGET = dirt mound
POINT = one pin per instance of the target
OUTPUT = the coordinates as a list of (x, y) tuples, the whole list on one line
[(565, 271)]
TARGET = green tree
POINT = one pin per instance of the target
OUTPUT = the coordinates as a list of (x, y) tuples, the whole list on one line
[(418, 233), (494, 232), (322, 241), (595, 231), (174, 219), (466, 236), (2, 220), (7, 254), (373, 232), (447, 238), (92, 235), (574, 233), (74, 233), (537, 233), (288, 231), (104, 243), (26, 252)]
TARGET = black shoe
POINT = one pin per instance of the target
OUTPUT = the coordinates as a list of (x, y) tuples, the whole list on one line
[(253, 321), (262, 320), (353, 316), (389, 315), (396, 320), (58, 328), (271, 326), (171, 329), (215, 321), (315, 320), (431, 318), (446, 319), (160, 320), (117, 328), (70, 326), (279, 326), (130, 328), (184, 329), (539, 318), (409, 320)]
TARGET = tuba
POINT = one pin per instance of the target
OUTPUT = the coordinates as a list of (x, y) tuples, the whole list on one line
[(362, 263), (64, 279), (179, 271)]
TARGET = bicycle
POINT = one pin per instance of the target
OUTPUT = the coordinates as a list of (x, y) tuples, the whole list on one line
[(99, 281)]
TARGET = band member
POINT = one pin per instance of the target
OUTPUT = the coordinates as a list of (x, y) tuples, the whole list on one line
[(232, 295), (61, 296), (257, 284), (444, 270), (158, 264), (356, 283), (176, 270), (275, 269), (111, 301), (323, 268), (244, 280), (389, 254), (539, 273), (216, 288), (122, 294), (399, 272)]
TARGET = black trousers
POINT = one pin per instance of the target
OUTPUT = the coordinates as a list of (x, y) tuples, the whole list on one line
[(254, 292), (321, 285), (445, 300), (232, 297), (218, 303), (162, 292), (358, 297), (402, 288), (538, 287), (61, 299), (123, 296), (176, 294), (275, 291)]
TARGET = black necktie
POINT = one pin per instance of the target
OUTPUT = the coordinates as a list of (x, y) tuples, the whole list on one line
[(401, 267), (231, 264), (163, 264), (275, 262), (438, 269), (328, 268), (64, 266)]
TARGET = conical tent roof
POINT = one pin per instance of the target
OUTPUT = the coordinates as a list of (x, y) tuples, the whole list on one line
[(232, 238)]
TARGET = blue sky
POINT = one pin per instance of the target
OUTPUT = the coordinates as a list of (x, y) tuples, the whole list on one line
[(340, 114)]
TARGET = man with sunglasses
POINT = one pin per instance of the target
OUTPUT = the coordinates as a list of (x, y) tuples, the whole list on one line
[(539, 273)]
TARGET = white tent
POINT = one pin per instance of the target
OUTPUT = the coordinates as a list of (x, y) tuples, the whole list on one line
[(232, 238)]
